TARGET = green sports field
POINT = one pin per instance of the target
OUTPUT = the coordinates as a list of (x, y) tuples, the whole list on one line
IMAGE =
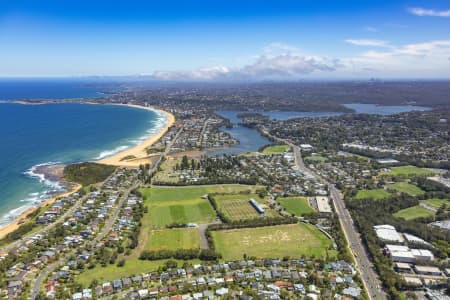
[(414, 212), (406, 188), (411, 171), (173, 239), (375, 194), (315, 159), (168, 205), (436, 202), (294, 240), (296, 205), (237, 206), (275, 149)]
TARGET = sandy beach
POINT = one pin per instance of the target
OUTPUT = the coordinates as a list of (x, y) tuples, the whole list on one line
[(139, 151), (24, 216)]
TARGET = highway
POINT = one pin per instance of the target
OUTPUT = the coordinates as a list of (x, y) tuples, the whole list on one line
[(363, 264)]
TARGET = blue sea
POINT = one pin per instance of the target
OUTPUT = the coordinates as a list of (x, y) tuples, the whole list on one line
[(34, 135)]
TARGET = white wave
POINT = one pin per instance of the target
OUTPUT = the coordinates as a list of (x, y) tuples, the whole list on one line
[(157, 124), (34, 198), (107, 153), (13, 214), (32, 172)]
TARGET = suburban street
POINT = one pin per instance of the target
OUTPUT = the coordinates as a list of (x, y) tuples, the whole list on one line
[(101, 235), (46, 228)]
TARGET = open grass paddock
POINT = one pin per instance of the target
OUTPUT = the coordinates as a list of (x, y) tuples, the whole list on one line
[(173, 239), (411, 171), (294, 240), (375, 194), (406, 188), (296, 205), (414, 212), (275, 149)]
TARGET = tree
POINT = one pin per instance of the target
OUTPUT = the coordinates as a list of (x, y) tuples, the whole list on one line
[(121, 263)]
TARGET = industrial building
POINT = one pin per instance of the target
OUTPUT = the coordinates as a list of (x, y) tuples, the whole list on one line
[(427, 270), (404, 254), (403, 267), (388, 233)]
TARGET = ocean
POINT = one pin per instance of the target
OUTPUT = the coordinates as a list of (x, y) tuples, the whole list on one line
[(32, 135)]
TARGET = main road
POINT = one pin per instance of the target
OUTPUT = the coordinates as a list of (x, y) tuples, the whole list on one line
[(363, 264)]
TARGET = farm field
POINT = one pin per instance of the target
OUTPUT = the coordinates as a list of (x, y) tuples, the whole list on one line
[(294, 240), (436, 202), (414, 212), (168, 205), (275, 149), (173, 239), (376, 194), (406, 188), (237, 206), (410, 171), (296, 205)]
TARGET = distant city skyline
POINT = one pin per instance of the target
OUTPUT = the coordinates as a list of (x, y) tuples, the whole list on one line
[(229, 40)]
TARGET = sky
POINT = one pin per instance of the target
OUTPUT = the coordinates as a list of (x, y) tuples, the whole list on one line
[(226, 39)]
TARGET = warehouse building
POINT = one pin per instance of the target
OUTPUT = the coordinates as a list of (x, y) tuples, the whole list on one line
[(388, 233), (427, 270), (404, 254)]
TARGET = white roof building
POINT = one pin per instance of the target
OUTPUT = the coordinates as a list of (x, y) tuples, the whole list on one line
[(415, 240), (422, 254), (427, 270), (400, 253), (403, 256), (306, 146), (388, 233), (323, 205)]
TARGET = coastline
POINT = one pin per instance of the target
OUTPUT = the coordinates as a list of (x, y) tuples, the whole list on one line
[(10, 227), (139, 151)]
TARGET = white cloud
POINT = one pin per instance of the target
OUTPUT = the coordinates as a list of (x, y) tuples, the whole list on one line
[(423, 12), (265, 67), (425, 59), (429, 59), (367, 42)]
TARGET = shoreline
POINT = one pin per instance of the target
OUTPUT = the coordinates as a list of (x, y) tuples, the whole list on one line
[(24, 217), (139, 150)]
